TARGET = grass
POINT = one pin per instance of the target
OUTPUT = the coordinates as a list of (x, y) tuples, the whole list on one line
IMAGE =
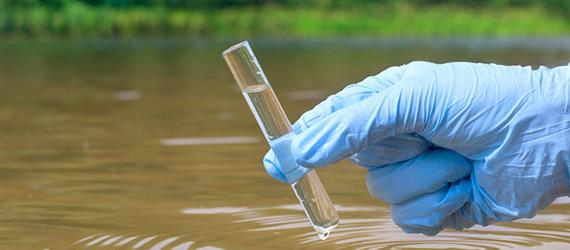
[(78, 20)]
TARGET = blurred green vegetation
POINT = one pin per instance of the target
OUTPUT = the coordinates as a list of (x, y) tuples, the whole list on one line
[(284, 18)]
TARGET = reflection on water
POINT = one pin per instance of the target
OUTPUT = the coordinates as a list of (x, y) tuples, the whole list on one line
[(147, 144), (128, 95), (209, 140), (306, 95)]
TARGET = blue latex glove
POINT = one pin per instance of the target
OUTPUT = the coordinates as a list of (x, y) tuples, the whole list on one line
[(450, 145)]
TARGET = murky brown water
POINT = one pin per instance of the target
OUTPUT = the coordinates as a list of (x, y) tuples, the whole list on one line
[(116, 144)]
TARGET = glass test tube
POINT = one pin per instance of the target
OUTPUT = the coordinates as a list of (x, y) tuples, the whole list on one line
[(278, 132)]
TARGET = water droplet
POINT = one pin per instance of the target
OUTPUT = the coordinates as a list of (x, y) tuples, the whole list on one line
[(324, 236)]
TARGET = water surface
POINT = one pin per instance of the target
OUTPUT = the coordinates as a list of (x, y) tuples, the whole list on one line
[(147, 144)]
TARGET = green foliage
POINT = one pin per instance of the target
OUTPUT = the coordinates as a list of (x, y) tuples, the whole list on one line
[(217, 4), (559, 6), (296, 18)]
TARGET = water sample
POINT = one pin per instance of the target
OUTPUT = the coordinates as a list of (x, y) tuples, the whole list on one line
[(277, 130)]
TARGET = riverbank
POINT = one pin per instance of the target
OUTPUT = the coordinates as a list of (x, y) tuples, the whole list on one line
[(79, 20)]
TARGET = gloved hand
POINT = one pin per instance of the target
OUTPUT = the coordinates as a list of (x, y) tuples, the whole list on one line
[(450, 145)]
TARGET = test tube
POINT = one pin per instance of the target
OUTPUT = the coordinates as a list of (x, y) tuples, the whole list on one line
[(277, 130)]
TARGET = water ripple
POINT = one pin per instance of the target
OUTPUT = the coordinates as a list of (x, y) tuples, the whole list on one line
[(361, 227), (152, 242), (372, 228), (382, 233)]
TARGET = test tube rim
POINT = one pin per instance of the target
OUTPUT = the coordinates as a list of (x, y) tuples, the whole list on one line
[(236, 47)]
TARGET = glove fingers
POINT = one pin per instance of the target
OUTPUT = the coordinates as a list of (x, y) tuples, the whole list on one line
[(391, 150), (430, 213), (271, 164), (338, 135), (351, 94), (424, 174), (402, 109)]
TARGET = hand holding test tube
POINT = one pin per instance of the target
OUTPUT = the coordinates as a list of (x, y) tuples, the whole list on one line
[(278, 132)]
